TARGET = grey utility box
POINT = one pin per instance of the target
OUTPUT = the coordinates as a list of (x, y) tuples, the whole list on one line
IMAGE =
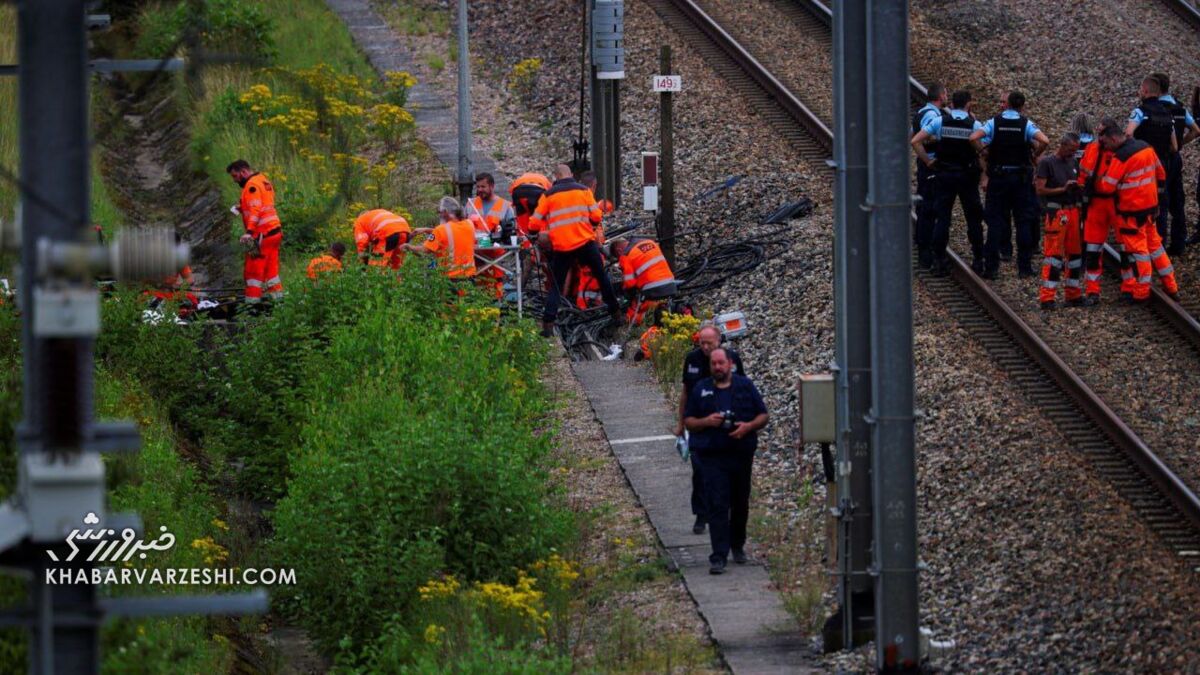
[(608, 39), (818, 422)]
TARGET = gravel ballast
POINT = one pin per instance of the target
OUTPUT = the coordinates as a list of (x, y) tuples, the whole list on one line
[(1033, 563)]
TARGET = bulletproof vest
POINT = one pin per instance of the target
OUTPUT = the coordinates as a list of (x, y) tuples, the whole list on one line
[(1178, 120), (934, 147), (1157, 127), (1009, 147), (954, 150)]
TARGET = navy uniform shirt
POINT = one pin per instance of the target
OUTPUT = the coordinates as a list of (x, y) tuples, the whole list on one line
[(741, 397), (695, 366)]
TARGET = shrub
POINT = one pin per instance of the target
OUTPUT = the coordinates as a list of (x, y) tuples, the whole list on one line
[(671, 344), (522, 80), (422, 456), (227, 26)]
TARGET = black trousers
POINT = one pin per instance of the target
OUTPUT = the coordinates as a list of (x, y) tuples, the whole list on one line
[(698, 507), (1173, 205), (727, 498), (561, 262), (926, 208), (963, 185), (1010, 197)]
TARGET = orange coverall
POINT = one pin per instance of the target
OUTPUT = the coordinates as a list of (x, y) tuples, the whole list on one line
[(261, 271)]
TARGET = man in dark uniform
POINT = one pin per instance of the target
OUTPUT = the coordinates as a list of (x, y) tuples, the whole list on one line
[(695, 368), (1013, 143), (926, 182), (724, 413)]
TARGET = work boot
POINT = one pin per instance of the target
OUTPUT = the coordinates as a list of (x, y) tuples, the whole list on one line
[(716, 567), (1126, 298), (924, 259), (1005, 257), (739, 556), (977, 266), (1174, 296), (547, 329), (1047, 306), (1024, 272), (989, 273), (941, 268), (1195, 238), (698, 528), (1091, 300), (1075, 302)]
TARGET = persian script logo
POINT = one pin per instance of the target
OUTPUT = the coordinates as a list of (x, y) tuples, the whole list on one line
[(113, 550)]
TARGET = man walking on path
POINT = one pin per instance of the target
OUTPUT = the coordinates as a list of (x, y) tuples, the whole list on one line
[(724, 413), (695, 368)]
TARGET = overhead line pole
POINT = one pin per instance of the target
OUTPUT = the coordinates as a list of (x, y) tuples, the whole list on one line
[(466, 179)]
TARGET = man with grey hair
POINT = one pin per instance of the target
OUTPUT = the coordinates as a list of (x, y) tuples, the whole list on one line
[(1057, 184), (452, 242)]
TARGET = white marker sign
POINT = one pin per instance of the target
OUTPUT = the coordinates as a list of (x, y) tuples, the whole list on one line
[(661, 83)]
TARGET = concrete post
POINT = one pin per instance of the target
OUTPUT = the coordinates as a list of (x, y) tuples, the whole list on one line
[(893, 456), (666, 200), (466, 177)]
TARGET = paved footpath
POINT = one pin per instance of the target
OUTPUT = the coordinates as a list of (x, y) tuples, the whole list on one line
[(753, 631), (436, 118)]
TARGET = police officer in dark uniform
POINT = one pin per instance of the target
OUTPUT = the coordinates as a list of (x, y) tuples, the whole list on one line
[(724, 413), (926, 188), (1186, 130), (957, 172), (695, 368), (1012, 141)]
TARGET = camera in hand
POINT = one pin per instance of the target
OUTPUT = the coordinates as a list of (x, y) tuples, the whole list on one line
[(728, 421)]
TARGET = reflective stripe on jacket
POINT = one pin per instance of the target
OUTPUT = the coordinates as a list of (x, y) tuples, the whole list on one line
[(454, 244), (324, 263), (1134, 174), (257, 205), (568, 212), (644, 267), (369, 227)]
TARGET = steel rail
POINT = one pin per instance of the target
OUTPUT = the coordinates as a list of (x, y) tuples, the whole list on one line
[(1158, 473), (1185, 10)]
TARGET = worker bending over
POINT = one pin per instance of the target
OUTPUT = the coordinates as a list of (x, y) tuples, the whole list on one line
[(565, 219), (1135, 172), (646, 274), (327, 262), (380, 236), (1056, 182), (264, 233)]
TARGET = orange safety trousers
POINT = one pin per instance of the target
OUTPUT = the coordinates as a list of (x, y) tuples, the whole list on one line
[(261, 271), (1158, 258), (1132, 236), (1101, 219), (1062, 255)]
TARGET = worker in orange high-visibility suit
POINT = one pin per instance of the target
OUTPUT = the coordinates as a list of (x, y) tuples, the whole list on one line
[(452, 241), (496, 211), (1100, 205), (647, 276), (379, 236), (1136, 173), (588, 179), (328, 262), (587, 288), (1057, 186), (565, 219), (264, 232), (526, 191)]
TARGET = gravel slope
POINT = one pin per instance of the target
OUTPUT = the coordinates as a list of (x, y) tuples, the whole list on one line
[(1021, 542)]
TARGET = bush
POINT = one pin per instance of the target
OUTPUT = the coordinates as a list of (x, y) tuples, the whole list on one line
[(672, 342), (422, 456), (226, 26)]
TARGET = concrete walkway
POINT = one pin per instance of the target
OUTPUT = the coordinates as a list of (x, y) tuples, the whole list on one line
[(436, 118), (753, 631)]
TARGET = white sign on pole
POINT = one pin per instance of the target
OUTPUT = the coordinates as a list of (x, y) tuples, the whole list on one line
[(661, 83)]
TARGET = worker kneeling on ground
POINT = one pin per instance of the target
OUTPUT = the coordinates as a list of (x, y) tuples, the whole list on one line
[(452, 242), (565, 218), (1136, 173), (264, 232), (724, 413), (1062, 252), (330, 261), (646, 274), (380, 236)]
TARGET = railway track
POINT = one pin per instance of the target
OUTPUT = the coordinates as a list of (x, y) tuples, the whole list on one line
[(1185, 10), (1160, 498)]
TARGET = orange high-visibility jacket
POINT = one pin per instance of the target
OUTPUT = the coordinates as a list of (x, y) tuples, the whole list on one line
[(527, 191), (1096, 160), (390, 238), (258, 206), (568, 211), (321, 264), (370, 226), (454, 244), (644, 266), (1135, 173), (495, 212), (587, 291)]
